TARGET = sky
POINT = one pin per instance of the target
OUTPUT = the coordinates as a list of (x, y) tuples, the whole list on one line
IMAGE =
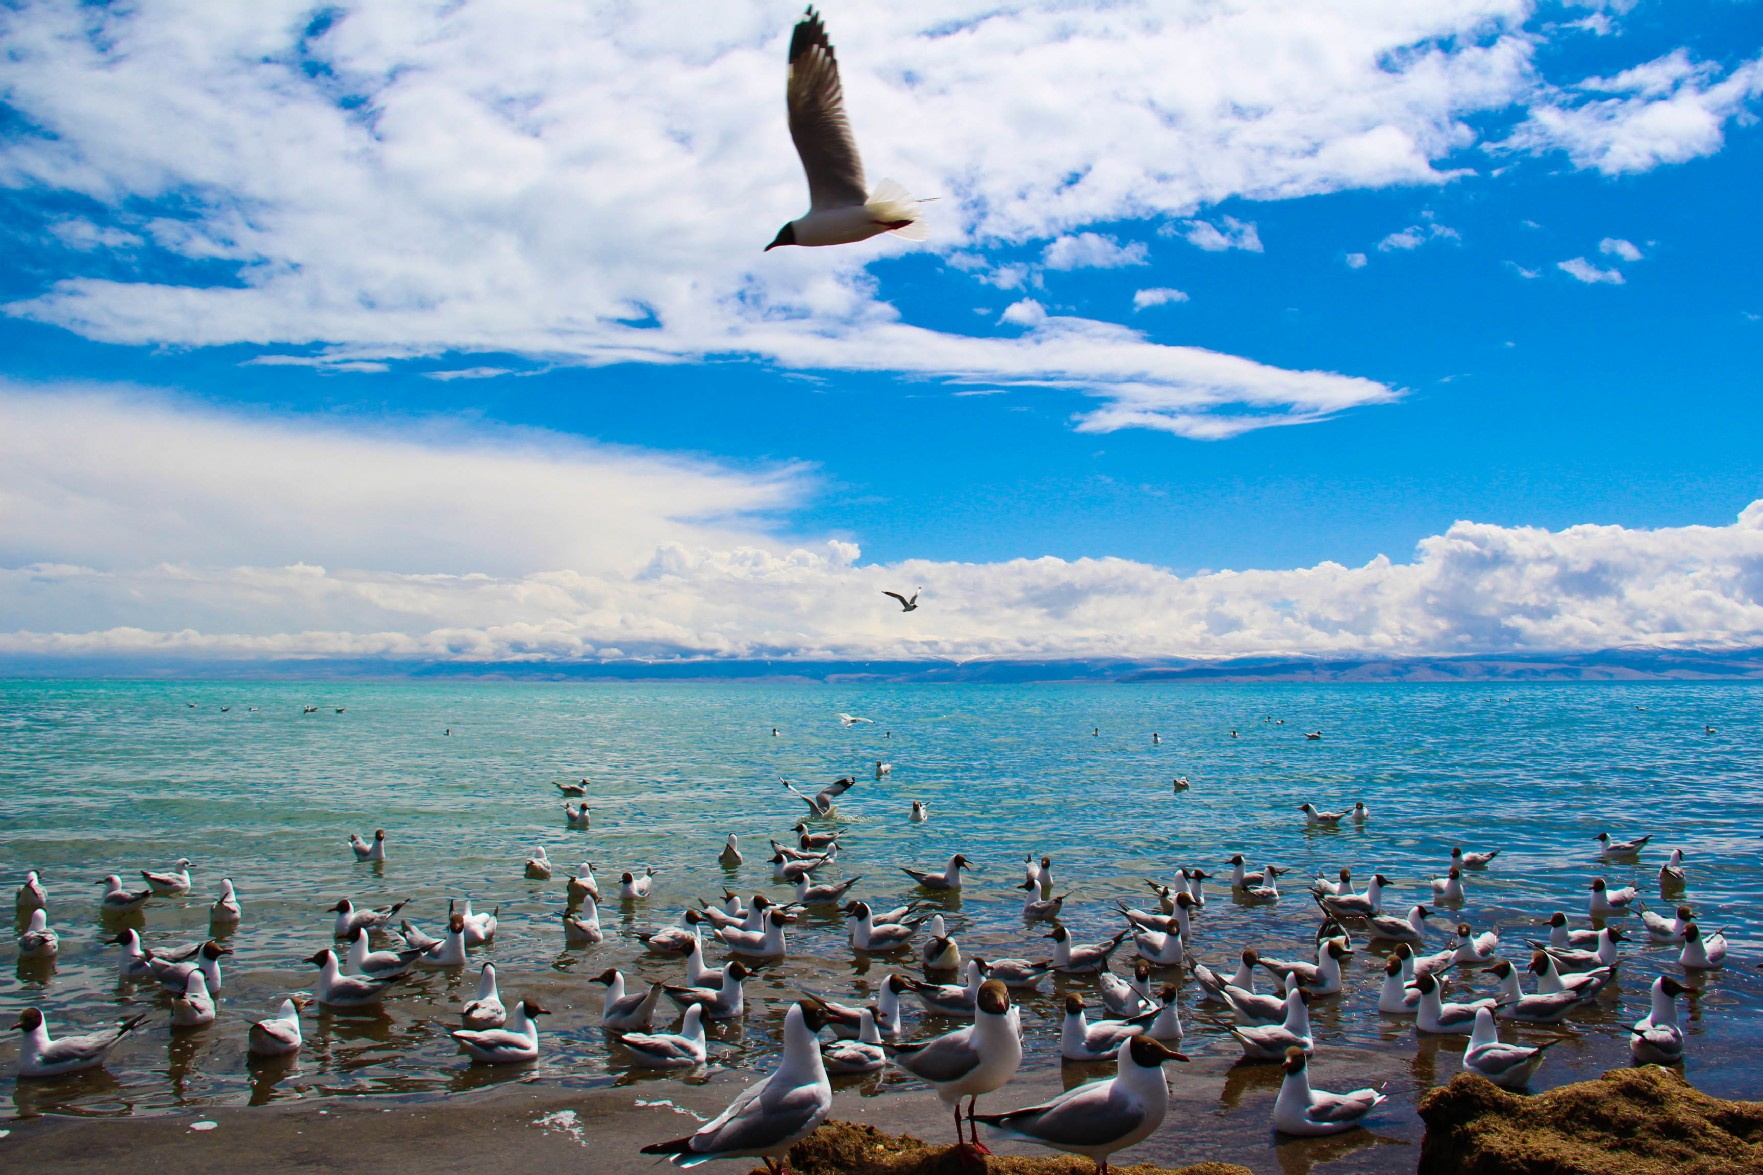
[(445, 331)]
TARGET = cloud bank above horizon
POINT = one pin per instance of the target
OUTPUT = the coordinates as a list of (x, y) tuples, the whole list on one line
[(384, 180), (226, 536)]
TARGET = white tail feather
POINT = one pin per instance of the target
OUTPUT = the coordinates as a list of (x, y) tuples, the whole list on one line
[(891, 202)]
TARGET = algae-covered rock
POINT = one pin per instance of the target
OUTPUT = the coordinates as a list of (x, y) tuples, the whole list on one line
[(1642, 1121), (841, 1148)]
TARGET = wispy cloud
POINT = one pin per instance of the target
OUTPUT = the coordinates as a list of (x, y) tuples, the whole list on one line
[(1616, 247), (1416, 235), (1581, 270)]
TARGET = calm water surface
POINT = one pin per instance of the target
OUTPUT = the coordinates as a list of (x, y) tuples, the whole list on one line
[(115, 777)]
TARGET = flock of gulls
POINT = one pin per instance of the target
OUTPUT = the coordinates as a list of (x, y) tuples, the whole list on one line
[(1132, 979)]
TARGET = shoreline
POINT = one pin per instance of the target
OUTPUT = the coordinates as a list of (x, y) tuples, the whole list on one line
[(528, 1125)]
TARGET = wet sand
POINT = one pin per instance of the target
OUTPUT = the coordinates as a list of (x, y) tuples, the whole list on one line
[(542, 1126)]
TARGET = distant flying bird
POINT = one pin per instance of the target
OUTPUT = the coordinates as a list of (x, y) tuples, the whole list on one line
[(905, 604), (850, 720), (840, 207)]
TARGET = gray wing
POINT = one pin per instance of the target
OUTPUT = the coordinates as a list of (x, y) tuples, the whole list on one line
[(763, 1117), (1342, 1107), (80, 1048), (1088, 1115), (493, 1038), (947, 1058), (818, 125), (1501, 1057), (837, 788)]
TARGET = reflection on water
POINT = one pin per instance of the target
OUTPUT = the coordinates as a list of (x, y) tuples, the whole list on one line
[(269, 797), (1298, 1156)]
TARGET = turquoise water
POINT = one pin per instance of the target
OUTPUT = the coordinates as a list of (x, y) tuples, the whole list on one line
[(115, 777)]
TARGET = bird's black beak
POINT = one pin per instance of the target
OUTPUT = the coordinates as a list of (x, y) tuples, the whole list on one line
[(785, 236)]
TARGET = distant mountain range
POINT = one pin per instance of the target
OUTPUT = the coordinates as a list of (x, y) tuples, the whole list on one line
[(1627, 664)]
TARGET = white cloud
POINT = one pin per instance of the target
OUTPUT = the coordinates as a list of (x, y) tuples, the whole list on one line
[(138, 525), (1416, 235), (1668, 110), (1229, 233), (1521, 271), (115, 481), (1356, 261), (1093, 251), (1616, 247), (1581, 270), (591, 185), (1157, 296)]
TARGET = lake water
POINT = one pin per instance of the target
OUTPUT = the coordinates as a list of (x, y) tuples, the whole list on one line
[(101, 777)]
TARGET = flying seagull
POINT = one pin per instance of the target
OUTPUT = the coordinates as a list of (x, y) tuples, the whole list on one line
[(840, 208), (905, 604)]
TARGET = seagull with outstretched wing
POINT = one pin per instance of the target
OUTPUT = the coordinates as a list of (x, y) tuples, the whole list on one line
[(841, 210), (905, 604)]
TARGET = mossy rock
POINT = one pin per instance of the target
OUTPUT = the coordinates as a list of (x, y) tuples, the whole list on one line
[(1641, 1121), (841, 1148)]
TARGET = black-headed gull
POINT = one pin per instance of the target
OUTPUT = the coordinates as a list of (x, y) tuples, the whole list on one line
[(1269, 1042), (538, 866), (1702, 953), (1656, 1038), (730, 857), (1514, 1004), (948, 879), (770, 1117), (366, 851), (821, 802), (685, 1049), (1620, 848), (1606, 901), (193, 1007), (622, 1012), (863, 1054), (1509, 1066), (349, 918), (226, 910), (487, 1010), (117, 900), (1080, 1040), (277, 1035), (1437, 1018), (1101, 1117), (31, 895), (515, 1044), (1671, 875), (1465, 860), (336, 990), (1304, 1111), (969, 1061), (42, 1057), (38, 941)]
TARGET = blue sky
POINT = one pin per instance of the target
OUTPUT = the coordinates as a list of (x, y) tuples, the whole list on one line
[(1512, 262)]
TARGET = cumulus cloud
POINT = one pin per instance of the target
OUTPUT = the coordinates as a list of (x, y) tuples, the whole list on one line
[(1581, 270), (1157, 296), (1229, 233), (1093, 251), (1667, 110), (1616, 247), (137, 525), (1356, 261)]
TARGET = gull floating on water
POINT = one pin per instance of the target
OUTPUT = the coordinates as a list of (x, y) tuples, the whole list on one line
[(949, 879), (685, 1049), (840, 208), (171, 883), (1667, 931), (117, 900), (770, 1117), (538, 866), (31, 895), (38, 941), (1101, 1117), (1079, 1040), (574, 790), (1656, 1038), (378, 964), (193, 1007), (1511, 1002), (479, 928), (1304, 1111), (1358, 905), (1606, 901), (577, 817), (1671, 874), (349, 918), (1395, 997), (1437, 1018), (175, 976), (1082, 959), (626, 1013), (347, 991), (1702, 954), (673, 940), (1317, 819), (864, 1054), (581, 924), (730, 857), (1269, 1042), (369, 852), (42, 1057), (516, 1044), (1411, 929), (847, 1021), (1472, 860), (278, 1035), (1584, 985), (1510, 1066), (487, 1010), (920, 813), (940, 952), (636, 887), (134, 959), (444, 952), (1620, 848), (226, 910)]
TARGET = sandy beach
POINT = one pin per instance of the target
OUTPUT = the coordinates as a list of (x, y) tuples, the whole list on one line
[(539, 1126)]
